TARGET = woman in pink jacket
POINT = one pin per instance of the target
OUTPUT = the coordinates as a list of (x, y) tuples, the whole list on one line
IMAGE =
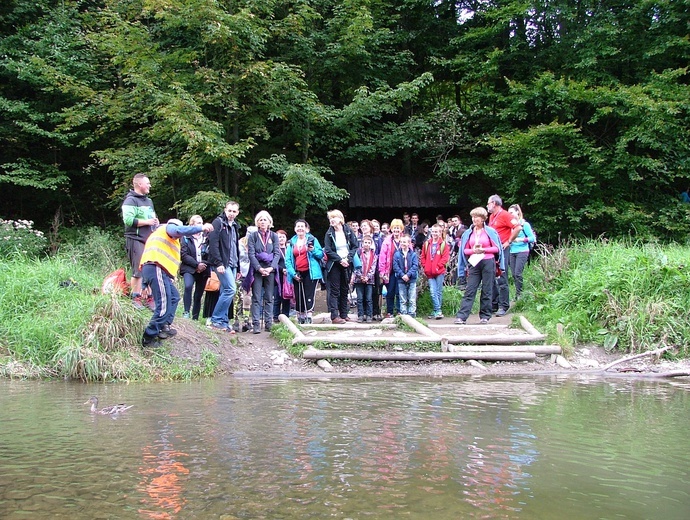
[(388, 248)]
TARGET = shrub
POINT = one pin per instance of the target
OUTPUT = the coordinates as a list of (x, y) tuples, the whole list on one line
[(18, 239)]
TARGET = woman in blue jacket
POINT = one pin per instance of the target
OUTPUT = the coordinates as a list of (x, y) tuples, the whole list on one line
[(480, 247), (520, 248), (303, 263)]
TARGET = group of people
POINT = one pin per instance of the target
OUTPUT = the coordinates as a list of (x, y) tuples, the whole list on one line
[(372, 258)]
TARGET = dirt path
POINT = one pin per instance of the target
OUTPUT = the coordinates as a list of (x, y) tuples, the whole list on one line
[(245, 353)]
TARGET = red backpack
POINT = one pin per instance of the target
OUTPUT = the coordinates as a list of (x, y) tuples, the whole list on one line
[(116, 282)]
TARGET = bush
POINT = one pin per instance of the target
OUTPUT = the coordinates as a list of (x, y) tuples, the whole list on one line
[(94, 248), (18, 239)]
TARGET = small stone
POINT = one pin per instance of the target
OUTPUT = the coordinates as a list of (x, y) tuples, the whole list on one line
[(562, 362), (324, 365)]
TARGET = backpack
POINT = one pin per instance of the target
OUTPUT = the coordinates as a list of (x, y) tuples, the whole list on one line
[(115, 283)]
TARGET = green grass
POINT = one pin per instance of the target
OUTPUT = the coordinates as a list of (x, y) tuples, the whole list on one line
[(625, 296)]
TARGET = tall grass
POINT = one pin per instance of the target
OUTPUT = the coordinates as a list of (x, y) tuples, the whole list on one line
[(55, 323), (622, 295)]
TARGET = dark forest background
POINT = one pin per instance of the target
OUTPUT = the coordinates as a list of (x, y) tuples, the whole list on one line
[(576, 109)]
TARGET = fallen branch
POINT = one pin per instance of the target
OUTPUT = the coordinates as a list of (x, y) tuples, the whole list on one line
[(649, 353)]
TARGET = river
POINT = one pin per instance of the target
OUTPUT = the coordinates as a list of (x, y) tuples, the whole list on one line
[(259, 448)]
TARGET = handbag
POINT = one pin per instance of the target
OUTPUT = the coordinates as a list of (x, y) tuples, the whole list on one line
[(288, 289), (212, 283)]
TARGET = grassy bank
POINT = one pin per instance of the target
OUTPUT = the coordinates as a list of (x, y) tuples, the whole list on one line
[(621, 295), (55, 323)]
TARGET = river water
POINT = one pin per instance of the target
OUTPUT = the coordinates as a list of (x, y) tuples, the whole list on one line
[(473, 447)]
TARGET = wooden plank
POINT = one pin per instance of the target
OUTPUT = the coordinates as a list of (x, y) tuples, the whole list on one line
[(378, 355)]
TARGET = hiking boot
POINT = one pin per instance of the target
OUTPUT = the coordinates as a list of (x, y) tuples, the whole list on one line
[(338, 321), (308, 320), (501, 312), (169, 330), (256, 329), (150, 342)]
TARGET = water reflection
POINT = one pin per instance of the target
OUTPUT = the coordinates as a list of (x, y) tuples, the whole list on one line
[(466, 448)]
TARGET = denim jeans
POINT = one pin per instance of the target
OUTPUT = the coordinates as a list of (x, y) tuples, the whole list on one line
[(407, 291), (517, 266), (228, 288), (436, 290), (165, 295), (392, 296), (364, 302), (482, 274)]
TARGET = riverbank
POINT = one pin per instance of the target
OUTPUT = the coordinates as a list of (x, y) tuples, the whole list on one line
[(261, 355)]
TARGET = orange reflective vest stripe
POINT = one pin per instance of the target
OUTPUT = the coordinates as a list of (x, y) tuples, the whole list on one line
[(163, 250)]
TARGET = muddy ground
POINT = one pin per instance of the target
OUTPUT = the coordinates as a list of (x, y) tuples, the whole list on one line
[(246, 353)]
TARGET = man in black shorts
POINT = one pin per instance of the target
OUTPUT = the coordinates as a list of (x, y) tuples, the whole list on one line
[(140, 221)]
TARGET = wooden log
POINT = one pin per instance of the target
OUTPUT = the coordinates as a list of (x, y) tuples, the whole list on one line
[(529, 328), (649, 353), (379, 355), (499, 339), (418, 327), (364, 340), (294, 330), (537, 349)]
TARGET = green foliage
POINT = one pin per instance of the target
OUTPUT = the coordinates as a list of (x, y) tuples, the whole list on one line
[(452, 298), (94, 249), (303, 186), (628, 296)]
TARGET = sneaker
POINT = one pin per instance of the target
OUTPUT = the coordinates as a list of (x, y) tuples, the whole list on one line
[(338, 321), (360, 319), (439, 315), (307, 320), (389, 315), (501, 312), (185, 315), (378, 317), (256, 329), (217, 326), (459, 321), (483, 321), (432, 316), (137, 303), (369, 319)]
